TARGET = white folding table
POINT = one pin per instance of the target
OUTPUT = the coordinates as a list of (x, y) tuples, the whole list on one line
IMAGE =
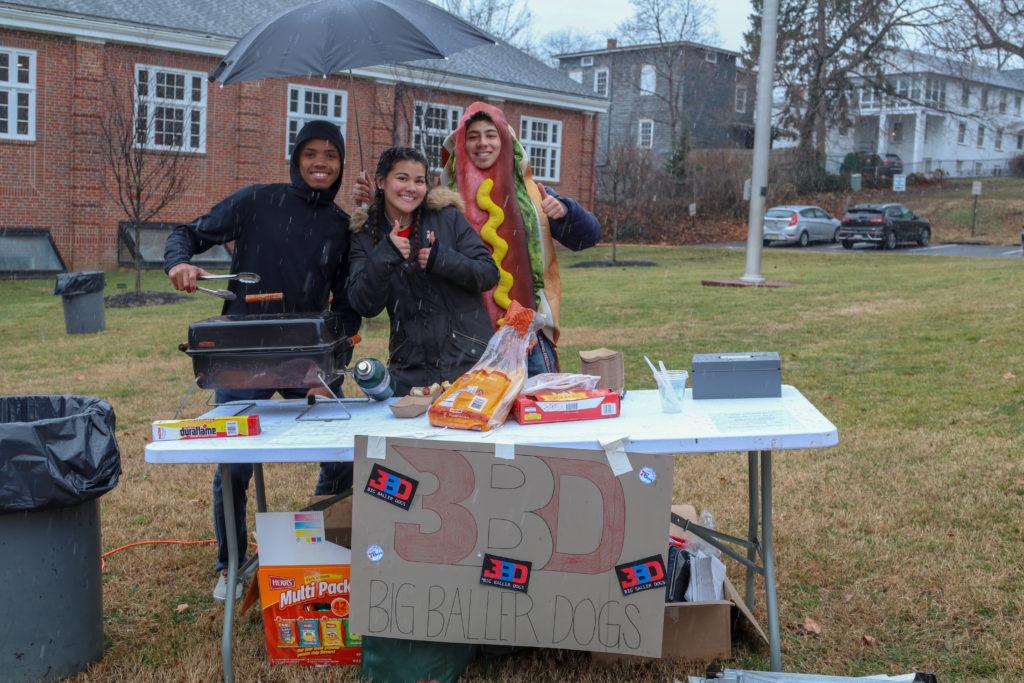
[(757, 426)]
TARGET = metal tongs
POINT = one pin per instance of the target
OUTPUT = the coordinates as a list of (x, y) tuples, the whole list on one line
[(244, 278)]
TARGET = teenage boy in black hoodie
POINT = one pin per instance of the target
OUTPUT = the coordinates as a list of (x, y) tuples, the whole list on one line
[(297, 239)]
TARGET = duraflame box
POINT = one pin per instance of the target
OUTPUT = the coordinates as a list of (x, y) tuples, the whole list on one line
[(564, 406), (697, 631), (304, 583)]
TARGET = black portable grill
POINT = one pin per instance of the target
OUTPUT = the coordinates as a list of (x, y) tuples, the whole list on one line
[(270, 351)]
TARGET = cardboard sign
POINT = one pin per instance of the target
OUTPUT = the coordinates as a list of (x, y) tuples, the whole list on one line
[(547, 549)]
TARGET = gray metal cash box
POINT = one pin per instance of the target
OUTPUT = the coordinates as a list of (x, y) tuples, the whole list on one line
[(737, 375)]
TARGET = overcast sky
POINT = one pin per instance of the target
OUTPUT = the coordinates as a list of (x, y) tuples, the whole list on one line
[(601, 16)]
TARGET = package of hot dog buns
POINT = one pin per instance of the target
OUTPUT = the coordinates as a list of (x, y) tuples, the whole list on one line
[(482, 398)]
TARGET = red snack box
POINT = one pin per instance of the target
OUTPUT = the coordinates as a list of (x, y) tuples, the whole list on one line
[(565, 406)]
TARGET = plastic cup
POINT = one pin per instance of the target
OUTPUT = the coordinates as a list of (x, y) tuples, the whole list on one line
[(672, 389)]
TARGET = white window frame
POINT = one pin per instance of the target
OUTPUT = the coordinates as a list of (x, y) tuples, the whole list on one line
[(740, 104), (965, 95), (587, 61), (1016, 104), (302, 117), (1003, 102), (981, 137), (870, 98), (961, 136), (999, 140), (710, 56), (12, 88), (648, 80), (551, 151), (935, 91), (607, 81), (453, 113), (1020, 141), (151, 101), (640, 133), (576, 75)]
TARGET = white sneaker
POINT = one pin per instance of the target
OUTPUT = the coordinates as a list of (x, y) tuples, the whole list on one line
[(220, 591)]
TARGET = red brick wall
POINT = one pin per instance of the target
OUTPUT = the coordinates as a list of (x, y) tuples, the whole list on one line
[(60, 180)]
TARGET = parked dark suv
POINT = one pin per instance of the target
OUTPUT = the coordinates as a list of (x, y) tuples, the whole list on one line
[(892, 164), (887, 225)]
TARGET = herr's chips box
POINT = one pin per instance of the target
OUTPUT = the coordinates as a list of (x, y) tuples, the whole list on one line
[(564, 406), (304, 583)]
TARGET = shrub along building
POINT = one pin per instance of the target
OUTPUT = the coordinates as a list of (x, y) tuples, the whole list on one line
[(66, 66), (659, 92)]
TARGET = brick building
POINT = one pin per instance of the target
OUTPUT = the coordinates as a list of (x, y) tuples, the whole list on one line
[(63, 63)]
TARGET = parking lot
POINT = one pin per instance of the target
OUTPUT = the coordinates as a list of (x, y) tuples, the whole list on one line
[(967, 250)]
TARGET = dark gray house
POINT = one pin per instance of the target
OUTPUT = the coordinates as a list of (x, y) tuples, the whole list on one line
[(658, 91)]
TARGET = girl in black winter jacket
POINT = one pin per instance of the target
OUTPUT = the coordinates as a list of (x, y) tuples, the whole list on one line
[(415, 253)]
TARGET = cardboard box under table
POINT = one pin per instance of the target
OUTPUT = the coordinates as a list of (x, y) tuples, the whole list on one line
[(304, 585), (698, 631)]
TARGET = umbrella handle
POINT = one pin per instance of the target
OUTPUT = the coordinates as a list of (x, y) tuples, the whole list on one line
[(355, 115)]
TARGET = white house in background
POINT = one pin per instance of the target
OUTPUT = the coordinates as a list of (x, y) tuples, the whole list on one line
[(937, 115)]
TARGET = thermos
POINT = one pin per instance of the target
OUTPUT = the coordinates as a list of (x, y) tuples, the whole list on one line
[(374, 379)]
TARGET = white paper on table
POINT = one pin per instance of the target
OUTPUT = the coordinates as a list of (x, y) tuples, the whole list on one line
[(755, 421), (308, 433)]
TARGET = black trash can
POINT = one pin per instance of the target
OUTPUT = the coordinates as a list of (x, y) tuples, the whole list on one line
[(58, 454), (82, 294)]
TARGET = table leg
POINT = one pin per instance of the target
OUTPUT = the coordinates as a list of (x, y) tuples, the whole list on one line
[(231, 537), (768, 557), (753, 488), (261, 491)]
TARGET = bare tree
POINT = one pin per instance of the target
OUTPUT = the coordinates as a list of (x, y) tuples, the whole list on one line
[(146, 147), (626, 188), (989, 31), (664, 24), (669, 21), (509, 20), (564, 41), (824, 45)]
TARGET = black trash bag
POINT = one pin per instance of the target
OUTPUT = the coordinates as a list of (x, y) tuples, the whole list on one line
[(73, 284), (56, 451)]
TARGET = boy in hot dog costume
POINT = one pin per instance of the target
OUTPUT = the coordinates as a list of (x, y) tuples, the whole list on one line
[(517, 218)]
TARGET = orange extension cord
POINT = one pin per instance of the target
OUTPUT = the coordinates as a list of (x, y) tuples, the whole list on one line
[(104, 556)]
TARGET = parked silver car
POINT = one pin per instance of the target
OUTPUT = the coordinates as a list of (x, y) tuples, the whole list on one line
[(799, 224)]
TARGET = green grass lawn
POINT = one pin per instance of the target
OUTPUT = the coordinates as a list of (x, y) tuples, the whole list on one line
[(910, 532)]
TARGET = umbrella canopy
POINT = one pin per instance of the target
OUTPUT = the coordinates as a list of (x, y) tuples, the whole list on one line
[(330, 36)]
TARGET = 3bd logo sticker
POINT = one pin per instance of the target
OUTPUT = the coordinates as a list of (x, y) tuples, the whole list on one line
[(642, 575), (502, 572), (390, 486)]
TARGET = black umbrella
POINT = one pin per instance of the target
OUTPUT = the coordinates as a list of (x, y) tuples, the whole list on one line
[(330, 36)]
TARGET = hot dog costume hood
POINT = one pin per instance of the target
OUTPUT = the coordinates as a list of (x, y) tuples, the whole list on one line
[(503, 205)]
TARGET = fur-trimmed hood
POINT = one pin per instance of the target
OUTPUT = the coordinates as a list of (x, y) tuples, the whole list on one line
[(437, 199)]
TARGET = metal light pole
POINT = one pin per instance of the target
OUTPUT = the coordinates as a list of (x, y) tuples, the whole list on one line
[(762, 139)]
